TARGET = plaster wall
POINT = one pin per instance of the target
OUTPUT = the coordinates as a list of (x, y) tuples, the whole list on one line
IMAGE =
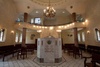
[(31, 36), (8, 14), (67, 37), (58, 20), (93, 17)]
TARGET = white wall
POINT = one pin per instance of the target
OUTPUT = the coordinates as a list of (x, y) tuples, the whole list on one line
[(93, 17), (8, 15), (28, 37), (59, 20), (66, 36)]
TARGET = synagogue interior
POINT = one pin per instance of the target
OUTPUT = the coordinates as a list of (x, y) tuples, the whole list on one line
[(49, 33)]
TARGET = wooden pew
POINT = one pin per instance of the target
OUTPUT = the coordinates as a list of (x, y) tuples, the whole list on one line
[(30, 48), (82, 47), (77, 52), (95, 62), (22, 53), (8, 50), (69, 48), (93, 49)]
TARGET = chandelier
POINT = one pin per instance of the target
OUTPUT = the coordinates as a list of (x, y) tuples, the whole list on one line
[(49, 11)]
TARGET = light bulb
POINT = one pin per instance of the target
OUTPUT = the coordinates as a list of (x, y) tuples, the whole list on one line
[(47, 8), (44, 10)]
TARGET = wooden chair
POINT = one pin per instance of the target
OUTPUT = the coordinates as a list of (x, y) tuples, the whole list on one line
[(77, 52), (22, 53), (95, 61), (69, 48)]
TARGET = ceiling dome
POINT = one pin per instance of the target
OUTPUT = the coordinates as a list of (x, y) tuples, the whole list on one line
[(52, 1), (45, 2)]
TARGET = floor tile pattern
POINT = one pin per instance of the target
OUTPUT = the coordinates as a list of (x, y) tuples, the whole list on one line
[(29, 62)]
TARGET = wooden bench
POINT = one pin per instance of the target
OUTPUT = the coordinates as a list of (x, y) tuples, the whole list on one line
[(22, 53), (82, 47), (30, 48), (95, 61), (8, 50), (69, 48), (77, 52), (93, 49)]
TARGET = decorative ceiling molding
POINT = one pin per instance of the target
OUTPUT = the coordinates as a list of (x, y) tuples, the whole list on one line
[(53, 2)]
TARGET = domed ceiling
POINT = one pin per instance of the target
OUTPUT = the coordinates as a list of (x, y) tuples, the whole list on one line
[(45, 2), (52, 1), (63, 8)]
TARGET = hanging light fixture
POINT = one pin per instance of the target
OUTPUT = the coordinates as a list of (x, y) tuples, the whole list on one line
[(49, 11)]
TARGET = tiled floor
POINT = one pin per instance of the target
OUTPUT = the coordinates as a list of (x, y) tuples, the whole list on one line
[(29, 62)]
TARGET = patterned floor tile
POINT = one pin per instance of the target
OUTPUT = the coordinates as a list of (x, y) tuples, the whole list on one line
[(29, 62)]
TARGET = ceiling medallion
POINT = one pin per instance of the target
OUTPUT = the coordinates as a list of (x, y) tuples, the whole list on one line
[(53, 2)]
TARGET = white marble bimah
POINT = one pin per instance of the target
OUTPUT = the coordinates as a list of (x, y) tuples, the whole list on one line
[(49, 49)]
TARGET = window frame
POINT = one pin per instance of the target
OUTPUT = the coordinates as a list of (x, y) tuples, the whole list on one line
[(97, 34), (83, 36), (79, 37), (20, 38), (17, 37), (3, 35), (34, 20)]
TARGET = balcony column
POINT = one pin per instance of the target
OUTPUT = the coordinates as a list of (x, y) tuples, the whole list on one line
[(75, 30), (24, 31)]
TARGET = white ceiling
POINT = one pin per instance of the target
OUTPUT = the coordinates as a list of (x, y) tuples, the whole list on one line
[(31, 6), (67, 6), (79, 6)]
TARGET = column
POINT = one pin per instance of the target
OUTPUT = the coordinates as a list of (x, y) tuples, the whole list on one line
[(24, 31), (75, 30), (25, 17)]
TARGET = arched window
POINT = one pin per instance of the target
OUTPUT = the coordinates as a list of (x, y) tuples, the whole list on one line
[(83, 37), (16, 39), (79, 37), (97, 32), (20, 40), (2, 35), (36, 20)]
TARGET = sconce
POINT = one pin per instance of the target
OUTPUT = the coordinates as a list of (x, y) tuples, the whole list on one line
[(88, 32), (70, 35), (12, 32)]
